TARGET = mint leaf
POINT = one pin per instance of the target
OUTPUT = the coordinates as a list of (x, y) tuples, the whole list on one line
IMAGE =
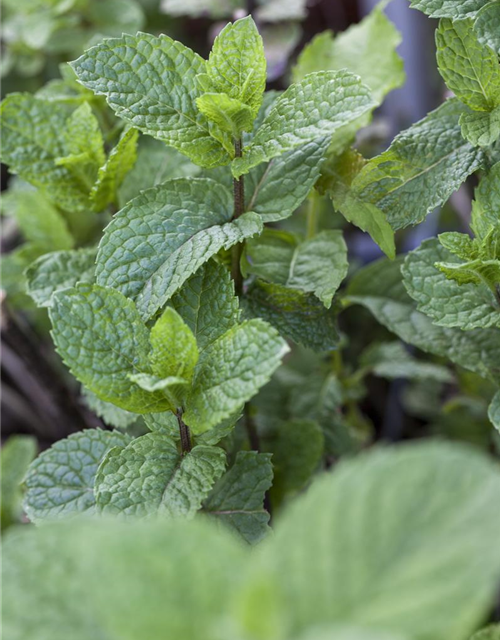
[(309, 110), (230, 371), (16, 454), (316, 265), (207, 304), (300, 317), (164, 422), (149, 476), (60, 482), (59, 270), (338, 173), (486, 203), (144, 75), (481, 128), (237, 64), (164, 235), (112, 415), (112, 173), (494, 411), (173, 347), (487, 26), (469, 69), (455, 9), (449, 304), (382, 581), (102, 339), (172, 388), (237, 499), (380, 289), (421, 169), (229, 114), (83, 140), (367, 49), (33, 140), (492, 632)]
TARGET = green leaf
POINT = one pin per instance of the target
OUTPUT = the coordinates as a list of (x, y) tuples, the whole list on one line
[(449, 304), (309, 110), (486, 203), (380, 289), (207, 304), (492, 632), (229, 114), (356, 548), (33, 139), (481, 128), (112, 415), (237, 64), (38, 220), (421, 169), (165, 423), (82, 137), (460, 244), (111, 175), (469, 69), (60, 482), (237, 499), (487, 26), (59, 270), (173, 347), (478, 272), (455, 9), (494, 411), (173, 388), (16, 454), (230, 371), (149, 477), (317, 265), (102, 339), (367, 49), (300, 317), (338, 173), (150, 83), (297, 450), (163, 236)]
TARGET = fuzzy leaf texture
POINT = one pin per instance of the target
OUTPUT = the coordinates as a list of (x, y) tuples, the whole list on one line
[(454, 9), (487, 26), (163, 236), (150, 82), (150, 477)]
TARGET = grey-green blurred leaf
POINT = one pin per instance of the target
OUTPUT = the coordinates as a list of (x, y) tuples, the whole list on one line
[(112, 415), (491, 632), (487, 26), (16, 454), (494, 411), (60, 482)]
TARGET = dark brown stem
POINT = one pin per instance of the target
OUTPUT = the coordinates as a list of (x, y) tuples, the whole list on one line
[(185, 433), (239, 208)]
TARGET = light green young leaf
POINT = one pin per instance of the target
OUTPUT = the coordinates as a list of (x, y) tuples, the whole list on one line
[(382, 581), (59, 270), (102, 339), (149, 477), (173, 347), (449, 304), (494, 411), (237, 499), (207, 304), (460, 244), (38, 220), (454, 9), (487, 26), (60, 482), (82, 136), (309, 110), (297, 449), (237, 64), (150, 83), (368, 49), (16, 454), (229, 114), (338, 173), (111, 174), (481, 128), (230, 371), (477, 272), (173, 388), (163, 236), (421, 169), (112, 415), (469, 69), (380, 289), (32, 141), (486, 203), (317, 265), (300, 317)]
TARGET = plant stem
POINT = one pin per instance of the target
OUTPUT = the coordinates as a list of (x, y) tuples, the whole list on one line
[(185, 433), (239, 208), (312, 215)]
